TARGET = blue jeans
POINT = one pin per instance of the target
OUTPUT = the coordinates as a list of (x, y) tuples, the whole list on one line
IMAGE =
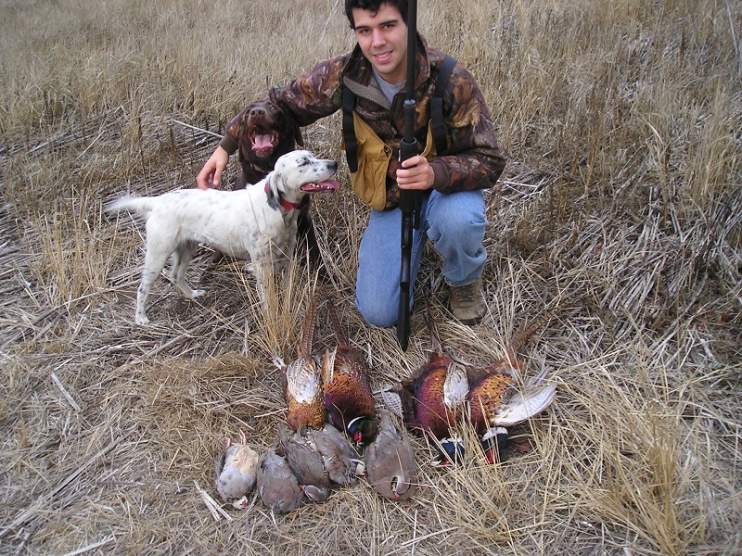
[(453, 222)]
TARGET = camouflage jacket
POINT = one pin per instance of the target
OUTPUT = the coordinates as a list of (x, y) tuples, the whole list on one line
[(473, 159)]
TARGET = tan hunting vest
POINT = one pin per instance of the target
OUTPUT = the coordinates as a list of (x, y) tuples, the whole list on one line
[(369, 182)]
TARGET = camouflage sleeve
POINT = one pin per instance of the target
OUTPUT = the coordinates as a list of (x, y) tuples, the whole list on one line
[(315, 94), (312, 96), (231, 135), (473, 160)]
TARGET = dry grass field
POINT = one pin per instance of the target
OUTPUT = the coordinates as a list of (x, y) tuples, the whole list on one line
[(620, 209)]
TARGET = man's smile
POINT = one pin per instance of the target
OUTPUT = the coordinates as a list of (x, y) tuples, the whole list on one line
[(383, 57)]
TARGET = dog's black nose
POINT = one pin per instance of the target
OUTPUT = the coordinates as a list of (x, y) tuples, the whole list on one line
[(257, 111)]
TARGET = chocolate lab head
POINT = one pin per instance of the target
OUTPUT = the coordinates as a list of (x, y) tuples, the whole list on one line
[(266, 133)]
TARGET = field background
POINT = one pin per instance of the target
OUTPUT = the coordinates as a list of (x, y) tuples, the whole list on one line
[(620, 209)]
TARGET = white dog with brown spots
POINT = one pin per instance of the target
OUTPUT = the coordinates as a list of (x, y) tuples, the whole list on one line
[(256, 223)]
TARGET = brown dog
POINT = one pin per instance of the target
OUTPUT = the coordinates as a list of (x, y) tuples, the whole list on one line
[(265, 134)]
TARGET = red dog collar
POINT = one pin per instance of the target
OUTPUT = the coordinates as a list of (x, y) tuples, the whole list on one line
[(286, 205)]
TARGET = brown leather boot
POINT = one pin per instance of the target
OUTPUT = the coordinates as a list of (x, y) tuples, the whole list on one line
[(467, 302)]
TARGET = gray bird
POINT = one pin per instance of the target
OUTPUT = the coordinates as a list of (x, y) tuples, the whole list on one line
[(339, 458), (236, 472), (306, 463), (278, 488), (390, 462)]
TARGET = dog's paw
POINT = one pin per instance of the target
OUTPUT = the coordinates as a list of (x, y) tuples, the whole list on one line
[(197, 293), (141, 320)]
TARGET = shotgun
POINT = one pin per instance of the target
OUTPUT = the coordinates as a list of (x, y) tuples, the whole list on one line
[(409, 202)]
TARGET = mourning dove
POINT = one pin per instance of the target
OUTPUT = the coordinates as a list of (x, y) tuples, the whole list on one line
[(390, 462), (278, 487), (306, 464), (338, 456)]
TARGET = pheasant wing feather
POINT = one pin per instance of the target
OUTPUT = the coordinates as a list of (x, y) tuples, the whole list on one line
[(523, 406)]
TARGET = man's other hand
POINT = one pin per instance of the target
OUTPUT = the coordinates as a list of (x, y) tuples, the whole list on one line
[(211, 174)]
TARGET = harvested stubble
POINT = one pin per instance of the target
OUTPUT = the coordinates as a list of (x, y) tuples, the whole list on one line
[(620, 207)]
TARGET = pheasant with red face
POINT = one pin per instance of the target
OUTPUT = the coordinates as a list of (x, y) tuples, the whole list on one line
[(432, 401), (495, 401), (349, 402)]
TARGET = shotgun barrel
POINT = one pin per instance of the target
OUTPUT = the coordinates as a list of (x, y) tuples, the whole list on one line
[(408, 199)]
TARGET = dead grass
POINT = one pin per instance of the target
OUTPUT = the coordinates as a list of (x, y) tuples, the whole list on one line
[(619, 212)]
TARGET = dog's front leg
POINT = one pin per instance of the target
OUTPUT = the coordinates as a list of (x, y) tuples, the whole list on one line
[(291, 245), (262, 275)]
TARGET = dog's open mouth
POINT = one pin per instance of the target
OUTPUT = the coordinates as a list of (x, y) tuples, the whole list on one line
[(327, 185), (263, 144)]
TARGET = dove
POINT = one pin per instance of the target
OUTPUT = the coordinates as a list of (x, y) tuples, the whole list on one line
[(306, 463), (277, 485), (390, 462), (340, 460)]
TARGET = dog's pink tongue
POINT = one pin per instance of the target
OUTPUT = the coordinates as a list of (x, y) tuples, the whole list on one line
[(262, 143)]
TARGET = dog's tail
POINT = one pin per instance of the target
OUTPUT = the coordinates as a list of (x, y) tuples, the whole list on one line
[(141, 206)]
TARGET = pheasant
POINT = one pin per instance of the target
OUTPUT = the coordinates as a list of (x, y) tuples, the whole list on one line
[(349, 402), (278, 487), (390, 462), (303, 386), (433, 402), (433, 399), (495, 403), (236, 472)]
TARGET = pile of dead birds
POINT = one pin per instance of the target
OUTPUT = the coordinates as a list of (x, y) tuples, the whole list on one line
[(336, 432)]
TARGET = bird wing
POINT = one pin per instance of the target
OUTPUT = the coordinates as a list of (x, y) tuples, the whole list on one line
[(523, 406)]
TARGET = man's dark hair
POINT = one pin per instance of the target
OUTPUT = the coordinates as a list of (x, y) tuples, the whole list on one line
[(373, 6)]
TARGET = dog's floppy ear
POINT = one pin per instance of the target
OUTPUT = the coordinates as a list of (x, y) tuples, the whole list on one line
[(293, 128), (297, 136), (274, 190)]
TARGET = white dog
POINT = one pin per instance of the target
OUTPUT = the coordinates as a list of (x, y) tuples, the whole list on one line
[(256, 223)]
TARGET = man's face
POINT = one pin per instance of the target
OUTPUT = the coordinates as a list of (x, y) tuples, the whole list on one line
[(382, 36)]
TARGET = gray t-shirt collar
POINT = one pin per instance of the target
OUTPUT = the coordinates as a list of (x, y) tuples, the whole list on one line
[(388, 89)]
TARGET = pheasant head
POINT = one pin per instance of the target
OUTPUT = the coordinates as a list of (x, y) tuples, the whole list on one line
[(362, 430)]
